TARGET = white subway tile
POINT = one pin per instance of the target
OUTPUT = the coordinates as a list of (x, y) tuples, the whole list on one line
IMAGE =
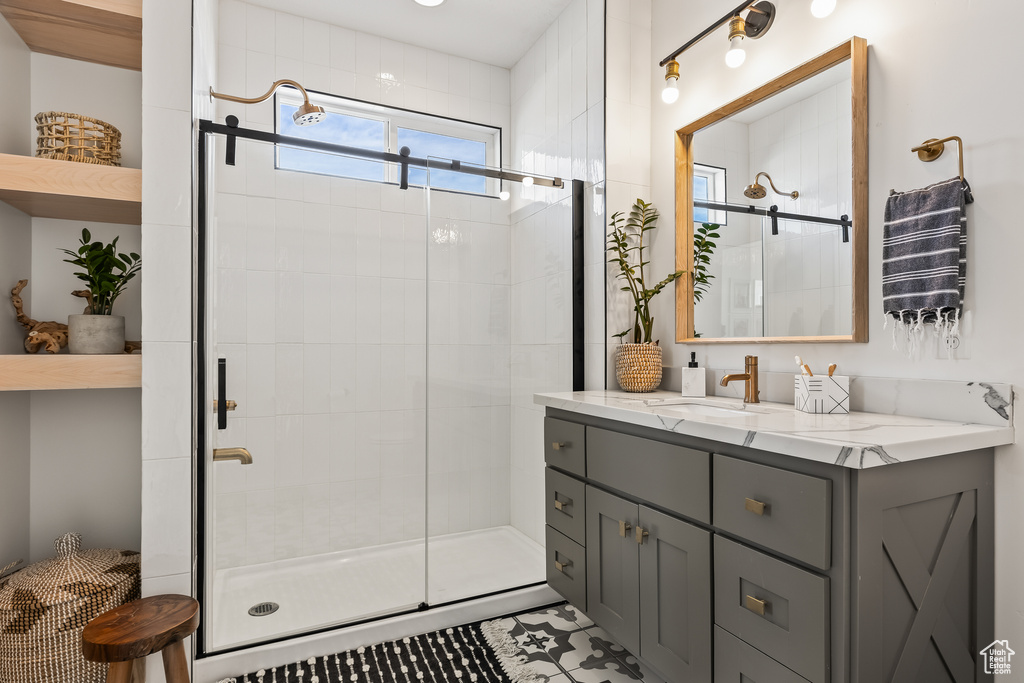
[(259, 29), (262, 443), (288, 380), (288, 301), (343, 49), (288, 451), (288, 35), (316, 43), (167, 516)]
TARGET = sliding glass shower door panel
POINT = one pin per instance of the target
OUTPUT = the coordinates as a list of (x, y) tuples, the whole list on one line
[(314, 315), (474, 546)]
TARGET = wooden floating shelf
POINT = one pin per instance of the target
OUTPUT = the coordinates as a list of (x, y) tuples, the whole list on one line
[(30, 372), (72, 190), (101, 31)]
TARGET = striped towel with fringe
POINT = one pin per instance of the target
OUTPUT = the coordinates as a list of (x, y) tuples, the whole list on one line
[(924, 260)]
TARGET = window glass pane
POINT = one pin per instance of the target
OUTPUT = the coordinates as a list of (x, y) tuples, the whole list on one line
[(422, 145), (338, 129), (700, 192)]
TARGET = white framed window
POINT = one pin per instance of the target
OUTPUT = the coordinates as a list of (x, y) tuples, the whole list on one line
[(709, 185), (387, 129)]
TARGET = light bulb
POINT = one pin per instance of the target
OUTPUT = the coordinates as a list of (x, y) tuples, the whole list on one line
[(528, 180), (822, 8), (429, 3), (504, 195), (736, 54), (671, 92)]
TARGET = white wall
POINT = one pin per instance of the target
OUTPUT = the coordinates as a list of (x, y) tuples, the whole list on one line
[(908, 103), (557, 130), (628, 141), (85, 474), (167, 152)]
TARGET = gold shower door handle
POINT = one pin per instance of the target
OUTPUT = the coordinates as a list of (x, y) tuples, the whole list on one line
[(240, 454), (228, 405)]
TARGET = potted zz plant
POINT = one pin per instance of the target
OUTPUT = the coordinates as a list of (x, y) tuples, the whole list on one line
[(106, 272), (638, 360)]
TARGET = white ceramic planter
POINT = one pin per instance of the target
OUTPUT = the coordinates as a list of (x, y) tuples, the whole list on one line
[(96, 334)]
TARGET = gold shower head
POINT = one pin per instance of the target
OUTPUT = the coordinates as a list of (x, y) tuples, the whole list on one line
[(306, 115), (758, 191)]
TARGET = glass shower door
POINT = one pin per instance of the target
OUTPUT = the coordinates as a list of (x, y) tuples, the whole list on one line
[(483, 493), (314, 300)]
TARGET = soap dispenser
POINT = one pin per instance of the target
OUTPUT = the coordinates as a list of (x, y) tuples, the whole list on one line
[(694, 380)]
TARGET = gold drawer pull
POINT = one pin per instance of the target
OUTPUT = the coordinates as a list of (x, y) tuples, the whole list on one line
[(559, 505), (557, 445), (756, 606), (624, 528), (755, 506), (641, 535), (560, 566)]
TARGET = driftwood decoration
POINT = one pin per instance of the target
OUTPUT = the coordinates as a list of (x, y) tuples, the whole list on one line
[(87, 295), (52, 336)]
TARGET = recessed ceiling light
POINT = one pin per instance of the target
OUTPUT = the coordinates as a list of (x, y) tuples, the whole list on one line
[(429, 3)]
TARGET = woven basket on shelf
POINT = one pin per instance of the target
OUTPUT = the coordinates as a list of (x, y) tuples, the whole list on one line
[(638, 367), (73, 137), (45, 606)]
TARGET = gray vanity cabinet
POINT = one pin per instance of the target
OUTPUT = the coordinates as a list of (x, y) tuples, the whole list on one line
[(647, 579), (717, 562)]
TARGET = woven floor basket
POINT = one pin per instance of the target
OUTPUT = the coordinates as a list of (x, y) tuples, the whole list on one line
[(638, 367), (73, 137), (45, 606)]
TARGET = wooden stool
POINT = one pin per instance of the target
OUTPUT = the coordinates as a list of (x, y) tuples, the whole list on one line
[(125, 635)]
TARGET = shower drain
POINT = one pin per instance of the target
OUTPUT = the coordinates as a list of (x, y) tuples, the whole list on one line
[(262, 609)]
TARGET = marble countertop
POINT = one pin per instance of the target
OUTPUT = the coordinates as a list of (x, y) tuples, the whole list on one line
[(855, 440)]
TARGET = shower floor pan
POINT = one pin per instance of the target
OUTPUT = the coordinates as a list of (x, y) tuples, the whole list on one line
[(336, 588)]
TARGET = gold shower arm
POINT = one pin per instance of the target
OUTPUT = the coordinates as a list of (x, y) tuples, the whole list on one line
[(792, 195), (261, 98)]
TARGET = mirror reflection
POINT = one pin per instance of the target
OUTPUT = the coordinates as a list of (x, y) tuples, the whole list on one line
[(773, 213)]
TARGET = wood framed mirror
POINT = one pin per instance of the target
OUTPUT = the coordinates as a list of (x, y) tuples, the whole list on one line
[(790, 262)]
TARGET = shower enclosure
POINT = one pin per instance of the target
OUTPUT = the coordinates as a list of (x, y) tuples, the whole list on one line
[(355, 339)]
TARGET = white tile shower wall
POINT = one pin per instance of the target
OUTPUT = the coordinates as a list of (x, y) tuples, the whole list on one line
[(332, 363), (348, 294), (558, 112), (258, 46), (809, 290)]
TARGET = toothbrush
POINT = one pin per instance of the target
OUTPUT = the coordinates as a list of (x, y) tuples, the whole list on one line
[(807, 370), (831, 369)]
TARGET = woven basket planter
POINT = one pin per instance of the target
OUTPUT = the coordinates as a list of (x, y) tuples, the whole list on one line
[(638, 367), (73, 137), (45, 606)]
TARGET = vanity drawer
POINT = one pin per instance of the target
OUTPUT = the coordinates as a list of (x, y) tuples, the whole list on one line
[(566, 564), (737, 662), (565, 504), (674, 477), (775, 606), (565, 445), (778, 509)]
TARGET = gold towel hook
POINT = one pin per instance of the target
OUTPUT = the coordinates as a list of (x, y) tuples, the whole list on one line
[(930, 150)]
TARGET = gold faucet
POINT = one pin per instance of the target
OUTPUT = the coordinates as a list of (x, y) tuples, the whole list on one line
[(749, 377), (240, 454)]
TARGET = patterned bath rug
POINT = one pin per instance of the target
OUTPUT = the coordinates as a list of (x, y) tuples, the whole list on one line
[(474, 653)]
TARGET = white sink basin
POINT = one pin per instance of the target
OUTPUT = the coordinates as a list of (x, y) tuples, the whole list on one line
[(704, 406)]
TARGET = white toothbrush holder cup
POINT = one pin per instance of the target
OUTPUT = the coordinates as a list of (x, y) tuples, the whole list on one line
[(822, 394)]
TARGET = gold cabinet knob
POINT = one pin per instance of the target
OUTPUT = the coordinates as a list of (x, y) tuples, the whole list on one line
[(641, 535), (557, 445), (561, 566), (624, 528), (755, 506)]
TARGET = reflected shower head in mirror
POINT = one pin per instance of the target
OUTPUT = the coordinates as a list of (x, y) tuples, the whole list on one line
[(306, 115), (758, 191)]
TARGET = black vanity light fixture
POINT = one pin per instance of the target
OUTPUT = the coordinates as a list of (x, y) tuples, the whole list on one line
[(755, 24), (306, 115)]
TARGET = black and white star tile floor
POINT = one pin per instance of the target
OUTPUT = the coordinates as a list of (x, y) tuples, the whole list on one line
[(564, 645)]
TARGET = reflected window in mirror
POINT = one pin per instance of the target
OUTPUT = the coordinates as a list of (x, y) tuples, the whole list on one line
[(709, 185)]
